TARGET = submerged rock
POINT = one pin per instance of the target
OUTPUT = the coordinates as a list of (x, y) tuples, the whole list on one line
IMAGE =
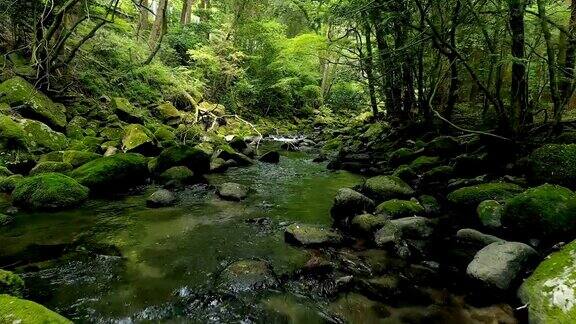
[(161, 198), (16, 310), (349, 203), (111, 173), (387, 187), (11, 283), (397, 208), (471, 197), (270, 157), (501, 264), (245, 276), (311, 235), (554, 163), (544, 211), (49, 191), (233, 191), (550, 292)]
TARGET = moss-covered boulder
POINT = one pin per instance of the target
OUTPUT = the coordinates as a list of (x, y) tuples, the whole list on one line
[(138, 138), (12, 135), (405, 173), (33, 104), (168, 113), (550, 292), (554, 163), (76, 127), (16, 310), (178, 176), (490, 213), (233, 191), (424, 163), (442, 146), (438, 174), (114, 172), (196, 160), (544, 211), (46, 167), (112, 133), (7, 184), (126, 111), (49, 191), (11, 283), (311, 235), (348, 203), (78, 158), (164, 134), (39, 135), (368, 223), (397, 208), (387, 187), (470, 197), (403, 155)]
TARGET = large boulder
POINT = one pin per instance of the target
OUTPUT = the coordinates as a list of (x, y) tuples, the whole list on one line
[(168, 113), (193, 158), (139, 139), (232, 191), (501, 264), (311, 235), (554, 163), (368, 223), (387, 187), (11, 283), (442, 146), (32, 103), (407, 237), (49, 191), (348, 203), (107, 174), (550, 292), (397, 208), (544, 211), (78, 158), (16, 310), (470, 197), (41, 136), (126, 111), (46, 167)]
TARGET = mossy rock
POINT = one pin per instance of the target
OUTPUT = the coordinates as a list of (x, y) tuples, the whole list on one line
[(168, 113), (11, 283), (440, 173), (311, 235), (46, 167), (550, 292), (12, 134), (196, 160), (430, 204), (376, 131), (7, 184), (5, 172), (397, 208), (76, 127), (87, 143), (179, 175), (423, 163), (405, 173), (49, 191), (16, 310), (333, 144), (39, 135), (164, 133), (107, 174), (138, 138), (554, 163), (402, 155), (112, 133), (566, 138), (470, 197), (368, 223), (78, 158), (6, 220), (126, 111), (442, 146), (547, 211), (490, 213), (54, 156), (387, 187), (18, 92)]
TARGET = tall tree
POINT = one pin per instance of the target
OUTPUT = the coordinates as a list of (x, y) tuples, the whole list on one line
[(519, 83), (186, 11)]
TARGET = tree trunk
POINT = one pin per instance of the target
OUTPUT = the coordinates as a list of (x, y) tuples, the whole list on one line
[(567, 55), (519, 85), (551, 60), (385, 71), (368, 64), (186, 12), (143, 19), (454, 78), (159, 23)]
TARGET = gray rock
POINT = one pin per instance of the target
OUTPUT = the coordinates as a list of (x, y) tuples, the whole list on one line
[(475, 238), (311, 235), (500, 264), (232, 191), (161, 198), (245, 276), (406, 236), (348, 203)]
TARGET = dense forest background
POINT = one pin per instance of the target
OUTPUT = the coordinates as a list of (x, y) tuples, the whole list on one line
[(506, 63)]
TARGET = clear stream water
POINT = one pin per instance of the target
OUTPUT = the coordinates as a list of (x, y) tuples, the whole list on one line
[(171, 256)]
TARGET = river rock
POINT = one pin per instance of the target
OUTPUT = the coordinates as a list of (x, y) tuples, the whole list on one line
[(181, 155), (48, 191), (161, 198), (406, 236), (245, 276), (368, 223), (270, 157), (471, 197), (476, 238), (349, 203), (177, 176), (387, 187), (550, 292), (233, 191), (45, 167), (218, 165), (547, 211), (490, 213), (311, 235), (397, 208), (501, 264), (554, 163)]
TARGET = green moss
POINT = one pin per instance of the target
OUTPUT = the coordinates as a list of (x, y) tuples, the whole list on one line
[(87, 143), (442, 145), (49, 191), (402, 155), (78, 158), (396, 208), (46, 167), (4, 172), (12, 135), (16, 310), (423, 163), (6, 220), (387, 187), (550, 292), (7, 184), (544, 211), (112, 133), (17, 91), (76, 127), (367, 223), (126, 111), (554, 163), (11, 283), (193, 158), (375, 131), (136, 136), (470, 197), (112, 172), (180, 174), (440, 173), (333, 144), (490, 213), (405, 173), (54, 156), (164, 133), (167, 112), (41, 136)]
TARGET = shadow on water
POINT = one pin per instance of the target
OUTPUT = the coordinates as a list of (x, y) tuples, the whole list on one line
[(118, 261)]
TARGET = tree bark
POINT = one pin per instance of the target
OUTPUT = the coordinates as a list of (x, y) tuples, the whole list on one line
[(568, 55), (452, 60), (186, 12), (159, 23), (519, 85), (143, 19), (368, 64)]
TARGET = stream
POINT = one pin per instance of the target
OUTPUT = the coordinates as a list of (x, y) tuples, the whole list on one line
[(119, 261)]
